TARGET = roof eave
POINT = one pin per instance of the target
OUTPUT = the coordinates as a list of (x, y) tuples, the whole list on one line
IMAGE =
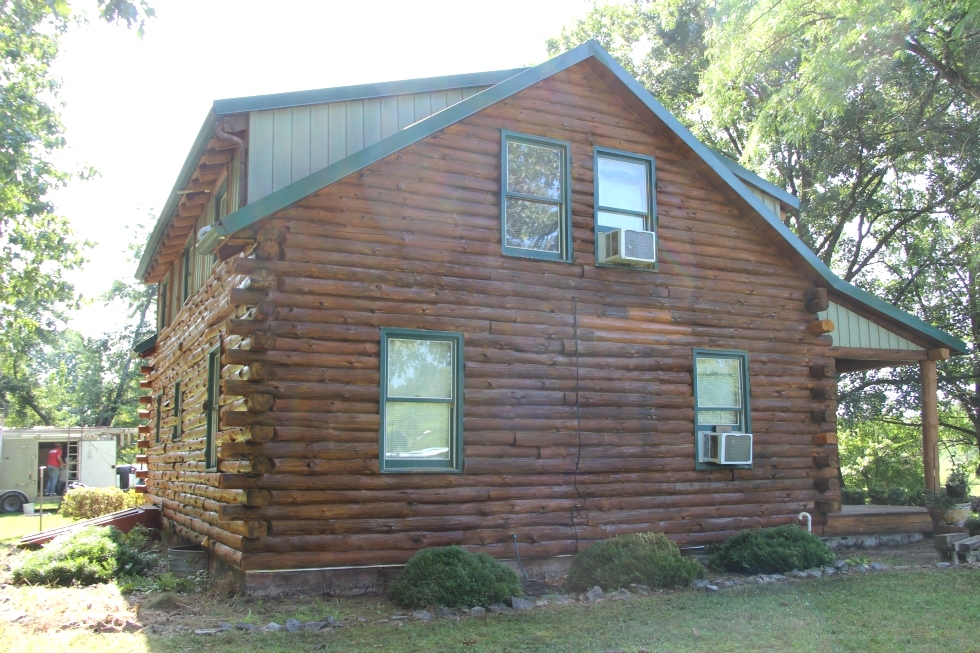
[(183, 178)]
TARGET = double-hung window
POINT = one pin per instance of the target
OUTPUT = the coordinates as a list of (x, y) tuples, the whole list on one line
[(213, 408), (536, 211), (625, 192), (178, 412), (721, 392), (421, 400)]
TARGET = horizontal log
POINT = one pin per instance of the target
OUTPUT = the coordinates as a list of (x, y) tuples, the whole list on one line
[(820, 327), (826, 460), (827, 438), (827, 507), (826, 484), (816, 300)]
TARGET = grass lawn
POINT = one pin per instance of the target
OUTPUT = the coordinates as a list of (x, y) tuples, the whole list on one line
[(909, 610), (13, 527)]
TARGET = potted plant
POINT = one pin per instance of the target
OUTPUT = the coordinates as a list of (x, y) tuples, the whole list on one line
[(939, 503), (956, 483)]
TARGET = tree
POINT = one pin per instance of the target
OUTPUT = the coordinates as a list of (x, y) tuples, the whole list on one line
[(37, 249), (868, 112)]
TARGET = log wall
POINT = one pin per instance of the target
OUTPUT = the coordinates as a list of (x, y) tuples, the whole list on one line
[(578, 403)]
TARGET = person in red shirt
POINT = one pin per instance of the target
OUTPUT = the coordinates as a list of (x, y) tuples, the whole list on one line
[(51, 473)]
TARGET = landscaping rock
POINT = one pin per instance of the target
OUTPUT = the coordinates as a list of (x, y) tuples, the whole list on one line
[(620, 594), (860, 568), (561, 599), (477, 611), (422, 615), (442, 613), (829, 571), (814, 573), (314, 625), (293, 626), (272, 627), (245, 627), (841, 565), (643, 590), (399, 617), (224, 627), (520, 605), (540, 603), (205, 631), (778, 577), (878, 566), (595, 594), (500, 608), (943, 565)]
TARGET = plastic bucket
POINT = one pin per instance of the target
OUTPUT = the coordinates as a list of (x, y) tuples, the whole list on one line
[(28, 508), (187, 560)]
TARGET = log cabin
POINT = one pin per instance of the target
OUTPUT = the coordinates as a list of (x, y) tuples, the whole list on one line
[(519, 311)]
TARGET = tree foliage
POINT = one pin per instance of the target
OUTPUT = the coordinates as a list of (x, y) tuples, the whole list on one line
[(37, 248), (869, 113)]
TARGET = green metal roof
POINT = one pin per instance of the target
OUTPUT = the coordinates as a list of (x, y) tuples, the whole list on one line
[(753, 179), (361, 91), (266, 206)]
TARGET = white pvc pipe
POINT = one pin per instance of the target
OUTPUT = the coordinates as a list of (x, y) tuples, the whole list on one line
[(809, 521)]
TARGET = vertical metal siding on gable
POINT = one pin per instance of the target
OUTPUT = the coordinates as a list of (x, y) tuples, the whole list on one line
[(853, 330), (286, 145), (771, 202)]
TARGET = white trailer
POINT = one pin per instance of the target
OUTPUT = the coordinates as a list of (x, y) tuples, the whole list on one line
[(90, 455)]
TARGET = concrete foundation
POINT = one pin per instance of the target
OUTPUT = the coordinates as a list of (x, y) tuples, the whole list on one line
[(359, 581), (871, 541)]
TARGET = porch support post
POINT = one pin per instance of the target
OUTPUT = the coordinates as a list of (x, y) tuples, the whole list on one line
[(930, 423)]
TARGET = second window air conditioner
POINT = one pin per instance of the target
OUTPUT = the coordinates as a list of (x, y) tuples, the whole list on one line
[(725, 448), (628, 247)]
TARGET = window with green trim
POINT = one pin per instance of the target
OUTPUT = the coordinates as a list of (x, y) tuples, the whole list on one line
[(624, 192), (178, 411), (163, 305), (421, 400), (185, 267), (721, 392), (213, 408), (536, 217), (159, 417)]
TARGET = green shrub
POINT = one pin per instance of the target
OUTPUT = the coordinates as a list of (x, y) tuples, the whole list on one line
[(772, 551), (453, 577), (643, 558), (854, 496), (96, 554), (91, 502), (896, 496), (972, 525)]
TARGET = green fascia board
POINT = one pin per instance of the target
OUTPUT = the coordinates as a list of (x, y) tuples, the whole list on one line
[(184, 178), (753, 179), (361, 91), (296, 191), (146, 344)]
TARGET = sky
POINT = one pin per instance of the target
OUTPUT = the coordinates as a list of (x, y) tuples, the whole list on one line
[(132, 106)]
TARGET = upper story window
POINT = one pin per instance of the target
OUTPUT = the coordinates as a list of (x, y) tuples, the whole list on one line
[(536, 211), (625, 199), (421, 400)]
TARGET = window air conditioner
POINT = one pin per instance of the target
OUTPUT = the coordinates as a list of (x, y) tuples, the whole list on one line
[(726, 448), (628, 247)]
